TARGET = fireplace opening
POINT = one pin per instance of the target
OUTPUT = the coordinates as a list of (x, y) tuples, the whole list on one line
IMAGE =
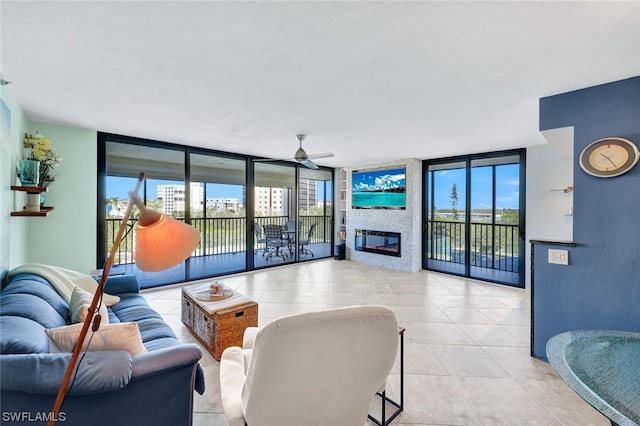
[(380, 242)]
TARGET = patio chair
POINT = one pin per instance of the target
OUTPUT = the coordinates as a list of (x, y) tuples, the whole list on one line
[(260, 239), (307, 240), (289, 234), (274, 241)]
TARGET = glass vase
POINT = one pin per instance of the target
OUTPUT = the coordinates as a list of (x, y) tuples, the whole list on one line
[(29, 172)]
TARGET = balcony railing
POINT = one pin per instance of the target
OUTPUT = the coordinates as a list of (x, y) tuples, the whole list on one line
[(219, 235), (492, 246)]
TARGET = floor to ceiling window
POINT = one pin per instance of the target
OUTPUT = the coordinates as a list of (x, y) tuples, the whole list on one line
[(274, 213), (228, 197), (474, 216), (163, 190), (218, 211), (315, 213)]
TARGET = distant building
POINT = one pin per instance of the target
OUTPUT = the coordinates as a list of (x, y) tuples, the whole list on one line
[(222, 204), (276, 201), (271, 201), (173, 198), (307, 194)]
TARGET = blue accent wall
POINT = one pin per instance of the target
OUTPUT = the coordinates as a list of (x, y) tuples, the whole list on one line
[(600, 289)]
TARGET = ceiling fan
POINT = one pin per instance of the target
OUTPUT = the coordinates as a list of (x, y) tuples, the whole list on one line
[(301, 156)]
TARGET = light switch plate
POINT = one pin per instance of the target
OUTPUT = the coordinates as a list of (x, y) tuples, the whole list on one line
[(559, 257)]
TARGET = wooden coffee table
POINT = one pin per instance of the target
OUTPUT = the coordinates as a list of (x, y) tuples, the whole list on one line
[(218, 322)]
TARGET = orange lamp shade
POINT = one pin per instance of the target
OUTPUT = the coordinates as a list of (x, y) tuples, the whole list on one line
[(164, 243)]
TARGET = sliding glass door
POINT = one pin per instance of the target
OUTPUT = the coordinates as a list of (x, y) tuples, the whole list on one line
[(495, 219), (274, 214), (474, 226), (229, 198), (315, 213), (217, 209), (446, 244), (162, 190)]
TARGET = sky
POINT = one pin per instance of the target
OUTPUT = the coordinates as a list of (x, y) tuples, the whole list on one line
[(507, 187), (119, 187), (507, 191)]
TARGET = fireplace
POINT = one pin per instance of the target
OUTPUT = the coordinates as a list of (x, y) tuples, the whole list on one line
[(380, 242)]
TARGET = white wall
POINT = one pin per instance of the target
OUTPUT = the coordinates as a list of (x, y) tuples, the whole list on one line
[(546, 214), (407, 222)]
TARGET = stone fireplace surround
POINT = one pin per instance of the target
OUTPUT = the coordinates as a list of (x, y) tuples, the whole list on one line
[(406, 222)]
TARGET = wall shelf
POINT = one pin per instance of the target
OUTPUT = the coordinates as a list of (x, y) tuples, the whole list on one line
[(342, 212), (32, 191), (565, 190), (44, 211)]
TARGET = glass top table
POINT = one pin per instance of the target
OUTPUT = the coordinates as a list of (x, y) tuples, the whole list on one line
[(603, 367)]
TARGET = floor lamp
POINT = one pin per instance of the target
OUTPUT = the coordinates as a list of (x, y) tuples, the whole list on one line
[(161, 243)]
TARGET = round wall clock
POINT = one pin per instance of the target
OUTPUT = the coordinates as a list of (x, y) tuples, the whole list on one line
[(609, 157)]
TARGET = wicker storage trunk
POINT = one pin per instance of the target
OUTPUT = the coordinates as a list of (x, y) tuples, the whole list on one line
[(217, 324)]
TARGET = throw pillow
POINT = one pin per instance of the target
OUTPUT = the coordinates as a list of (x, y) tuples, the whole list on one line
[(79, 307), (109, 337)]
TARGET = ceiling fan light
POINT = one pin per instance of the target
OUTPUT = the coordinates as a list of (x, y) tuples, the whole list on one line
[(301, 155)]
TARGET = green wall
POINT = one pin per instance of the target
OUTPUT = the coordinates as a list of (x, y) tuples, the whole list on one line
[(67, 237), (13, 243)]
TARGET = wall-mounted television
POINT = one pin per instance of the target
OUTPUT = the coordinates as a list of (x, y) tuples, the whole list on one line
[(378, 189)]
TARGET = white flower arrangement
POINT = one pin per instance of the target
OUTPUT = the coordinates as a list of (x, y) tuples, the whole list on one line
[(41, 149)]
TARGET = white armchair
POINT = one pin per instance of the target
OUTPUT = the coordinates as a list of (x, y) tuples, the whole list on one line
[(317, 368)]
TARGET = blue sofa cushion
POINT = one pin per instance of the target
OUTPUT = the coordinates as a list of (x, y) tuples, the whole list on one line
[(32, 307), (165, 342), (22, 336), (134, 308), (122, 284), (154, 328), (97, 372), (37, 286)]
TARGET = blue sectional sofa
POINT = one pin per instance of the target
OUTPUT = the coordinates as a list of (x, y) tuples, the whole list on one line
[(111, 387)]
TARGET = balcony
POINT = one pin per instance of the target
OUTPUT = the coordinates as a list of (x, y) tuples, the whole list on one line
[(494, 249), (222, 249)]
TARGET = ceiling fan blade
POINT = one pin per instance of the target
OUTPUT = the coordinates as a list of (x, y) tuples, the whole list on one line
[(301, 156), (271, 160), (323, 155), (309, 164), (274, 160)]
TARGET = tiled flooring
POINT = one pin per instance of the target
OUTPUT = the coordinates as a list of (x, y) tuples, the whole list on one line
[(466, 343)]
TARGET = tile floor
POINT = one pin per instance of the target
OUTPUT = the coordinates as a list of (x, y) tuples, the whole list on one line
[(466, 343)]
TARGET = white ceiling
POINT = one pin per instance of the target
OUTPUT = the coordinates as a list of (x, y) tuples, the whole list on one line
[(368, 81)]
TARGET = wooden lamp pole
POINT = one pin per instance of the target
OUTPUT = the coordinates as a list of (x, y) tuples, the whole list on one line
[(92, 309)]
